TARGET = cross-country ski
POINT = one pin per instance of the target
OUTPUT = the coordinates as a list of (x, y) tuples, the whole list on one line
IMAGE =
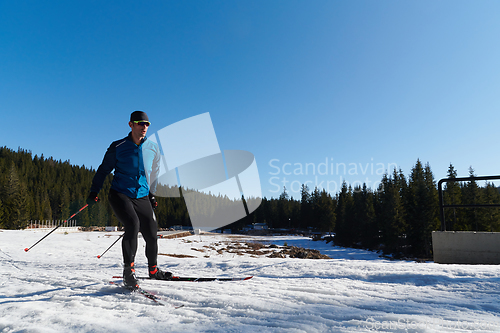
[(193, 279)]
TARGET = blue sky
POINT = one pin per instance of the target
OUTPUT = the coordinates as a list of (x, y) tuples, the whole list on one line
[(319, 92)]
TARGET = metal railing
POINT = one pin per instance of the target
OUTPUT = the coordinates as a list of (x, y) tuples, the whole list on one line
[(442, 206)]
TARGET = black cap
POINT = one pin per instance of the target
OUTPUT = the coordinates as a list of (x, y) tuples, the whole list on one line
[(139, 116)]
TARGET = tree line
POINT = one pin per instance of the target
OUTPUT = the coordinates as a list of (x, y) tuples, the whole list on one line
[(38, 188), (397, 218)]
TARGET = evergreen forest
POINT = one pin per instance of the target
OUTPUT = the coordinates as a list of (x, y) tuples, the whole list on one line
[(397, 218)]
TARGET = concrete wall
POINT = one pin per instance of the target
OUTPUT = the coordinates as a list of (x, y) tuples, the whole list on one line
[(466, 247)]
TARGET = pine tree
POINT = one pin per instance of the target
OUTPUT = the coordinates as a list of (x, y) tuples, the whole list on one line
[(356, 222), (315, 212), (343, 211), (452, 195), (369, 230), (422, 208), (489, 217), (15, 201), (46, 211), (325, 208), (391, 214), (432, 211), (471, 195), (305, 206), (284, 212), (64, 203)]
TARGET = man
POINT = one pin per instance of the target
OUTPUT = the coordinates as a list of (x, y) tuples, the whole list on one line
[(135, 160)]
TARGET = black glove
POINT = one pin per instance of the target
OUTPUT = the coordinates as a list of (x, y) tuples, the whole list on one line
[(152, 199), (92, 198)]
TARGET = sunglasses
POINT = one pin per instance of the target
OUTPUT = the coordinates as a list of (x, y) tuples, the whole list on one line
[(142, 123)]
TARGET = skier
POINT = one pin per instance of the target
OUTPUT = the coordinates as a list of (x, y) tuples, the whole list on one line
[(135, 160)]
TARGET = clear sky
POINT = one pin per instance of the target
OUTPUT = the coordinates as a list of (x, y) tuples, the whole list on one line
[(319, 91)]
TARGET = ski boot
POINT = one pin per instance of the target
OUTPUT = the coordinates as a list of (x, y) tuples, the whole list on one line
[(157, 274), (129, 279)]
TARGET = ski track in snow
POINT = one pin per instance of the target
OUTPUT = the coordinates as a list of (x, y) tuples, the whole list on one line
[(60, 285)]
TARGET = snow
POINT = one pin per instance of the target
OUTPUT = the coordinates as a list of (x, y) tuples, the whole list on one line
[(60, 285)]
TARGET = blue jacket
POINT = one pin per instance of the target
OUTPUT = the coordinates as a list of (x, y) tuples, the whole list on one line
[(134, 165)]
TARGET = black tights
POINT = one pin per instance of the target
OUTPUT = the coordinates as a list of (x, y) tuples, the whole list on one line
[(135, 215)]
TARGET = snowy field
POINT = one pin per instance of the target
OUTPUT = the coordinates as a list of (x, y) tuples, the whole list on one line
[(61, 286)]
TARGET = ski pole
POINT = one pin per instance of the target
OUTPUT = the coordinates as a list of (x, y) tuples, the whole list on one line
[(99, 257), (69, 218)]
